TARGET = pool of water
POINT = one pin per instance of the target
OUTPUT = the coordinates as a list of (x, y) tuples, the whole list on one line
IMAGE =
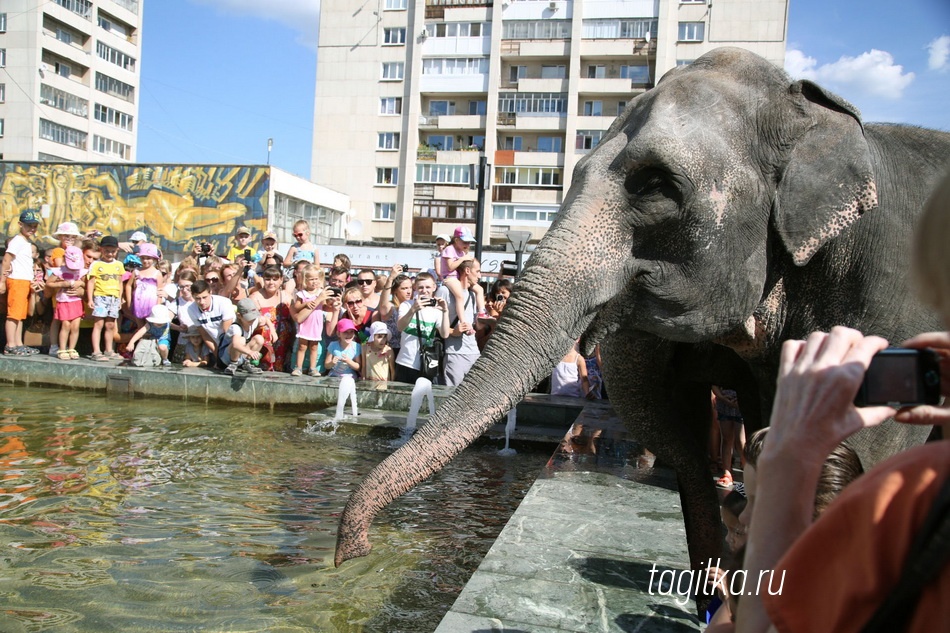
[(154, 515)]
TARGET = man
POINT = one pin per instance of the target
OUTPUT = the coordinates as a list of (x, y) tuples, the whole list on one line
[(16, 276), (338, 277), (366, 282), (461, 349), (212, 313), (239, 345)]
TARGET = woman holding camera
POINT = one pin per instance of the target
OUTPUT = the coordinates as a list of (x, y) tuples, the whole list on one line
[(397, 291), (418, 321)]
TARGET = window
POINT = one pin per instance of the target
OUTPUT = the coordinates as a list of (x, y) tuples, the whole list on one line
[(512, 143), (64, 36), (109, 147), (621, 106), (115, 26), (510, 212), (62, 134), (388, 140), (478, 107), (458, 29), (62, 69), (532, 102), (113, 117), (114, 87), (550, 144), (636, 74), (553, 72), (613, 29), (1, 128), (596, 72), (587, 139), (451, 209), (455, 66), (441, 141), (593, 108), (394, 5), (473, 142), (442, 174), (536, 30), (438, 107), (3, 22), (3, 93), (517, 72), (387, 176), (529, 176), (3, 58), (115, 56), (79, 7), (390, 105), (385, 211), (394, 36), (393, 71), (692, 31), (62, 100)]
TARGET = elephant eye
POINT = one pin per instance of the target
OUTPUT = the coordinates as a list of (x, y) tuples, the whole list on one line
[(650, 182)]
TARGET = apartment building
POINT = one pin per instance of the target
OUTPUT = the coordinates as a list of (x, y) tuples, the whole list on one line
[(69, 79), (411, 93)]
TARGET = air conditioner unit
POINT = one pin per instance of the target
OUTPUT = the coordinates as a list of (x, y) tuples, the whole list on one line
[(552, 6)]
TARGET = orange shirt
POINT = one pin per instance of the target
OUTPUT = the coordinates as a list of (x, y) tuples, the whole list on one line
[(842, 567)]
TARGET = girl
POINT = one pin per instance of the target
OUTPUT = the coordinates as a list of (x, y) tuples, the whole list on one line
[(379, 360), (156, 328), (720, 612), (311, 321), (69, 308), (392, 296), (196, 352), (342, 260), (453, 255), (145, 284), (303, 248), (569, 377), (344, 354), (179, 308)]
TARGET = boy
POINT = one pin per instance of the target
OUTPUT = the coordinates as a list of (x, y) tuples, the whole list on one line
[(268, 247), (239, 345), (214, 314), (242, 242), (103, 295), (16, 276)]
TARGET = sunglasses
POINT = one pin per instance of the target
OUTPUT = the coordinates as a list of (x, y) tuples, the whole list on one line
[(299, 234), (212, 280), (365, 282), (355, 303)]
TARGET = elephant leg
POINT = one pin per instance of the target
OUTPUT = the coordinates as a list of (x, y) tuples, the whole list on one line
[(671, 417)]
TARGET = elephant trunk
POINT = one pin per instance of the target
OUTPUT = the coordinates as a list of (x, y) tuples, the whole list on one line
[(544, 317)]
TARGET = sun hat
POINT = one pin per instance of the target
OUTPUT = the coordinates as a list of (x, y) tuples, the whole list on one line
[(109, 240), (243, 230), (138, 236), (148, 250), (345, 325), (57, 252), (193, 330), (270, 235), (378, 328), (463, 234), (443, 236), (248, 309), (73, 258), (30, 217), (160, 315), (67, 228)]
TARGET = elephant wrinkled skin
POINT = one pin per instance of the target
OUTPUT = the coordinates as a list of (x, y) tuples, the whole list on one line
[(725, 211)]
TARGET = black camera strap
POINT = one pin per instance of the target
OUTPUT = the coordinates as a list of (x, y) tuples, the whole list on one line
[(455, 321)]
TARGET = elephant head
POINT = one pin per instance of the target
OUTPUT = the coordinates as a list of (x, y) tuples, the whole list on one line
[(668, 230)]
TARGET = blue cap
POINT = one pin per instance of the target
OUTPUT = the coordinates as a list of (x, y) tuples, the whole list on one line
[(30, 217), (132, 258)]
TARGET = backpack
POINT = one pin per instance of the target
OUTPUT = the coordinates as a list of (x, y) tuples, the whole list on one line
[(431, 354)]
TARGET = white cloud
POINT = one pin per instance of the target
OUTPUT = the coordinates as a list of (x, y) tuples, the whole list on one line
[(872, 74), (302, 16), (939, 53)]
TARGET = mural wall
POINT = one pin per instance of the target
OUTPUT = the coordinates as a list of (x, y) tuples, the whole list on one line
[(175, 205)]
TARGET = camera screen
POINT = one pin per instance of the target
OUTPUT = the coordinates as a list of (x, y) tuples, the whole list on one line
[(892, 379)]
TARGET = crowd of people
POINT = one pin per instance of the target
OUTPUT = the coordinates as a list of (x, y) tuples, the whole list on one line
[(249, 310)]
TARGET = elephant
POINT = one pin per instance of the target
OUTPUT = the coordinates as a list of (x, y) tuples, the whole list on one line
[(728, 209)]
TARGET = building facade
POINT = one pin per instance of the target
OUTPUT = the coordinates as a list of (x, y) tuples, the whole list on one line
[(69, 79), (410, 94)]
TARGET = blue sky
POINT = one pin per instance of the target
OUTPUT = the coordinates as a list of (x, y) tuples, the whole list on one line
[(220, 77)]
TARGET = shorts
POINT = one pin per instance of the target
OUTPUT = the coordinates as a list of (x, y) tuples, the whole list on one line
[(105, 307), (18, 298), (68, 310)]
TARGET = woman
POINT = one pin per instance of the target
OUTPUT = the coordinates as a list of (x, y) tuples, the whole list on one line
[(276, 323), (496, 303), (392, 296), (179, 308), (356, 309)]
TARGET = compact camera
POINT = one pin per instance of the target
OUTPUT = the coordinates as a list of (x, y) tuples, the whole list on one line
[(205, 249), (500, 298), (405, 268), (900, 377), (430, 302)]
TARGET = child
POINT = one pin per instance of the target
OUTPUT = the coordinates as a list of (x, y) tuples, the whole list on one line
[(268, 249), (240, 347), (379, 361), (719, 611), (569, 377), (343, 355), (16, 279), (441, 241), (308, 312), (103, 295), (452, 256), (156, 329), (68, 311), (242, 241), (302, 249), (145, 283), (196, 352), (343, 261)]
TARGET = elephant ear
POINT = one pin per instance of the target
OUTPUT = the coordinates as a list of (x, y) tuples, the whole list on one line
[(828, 181)]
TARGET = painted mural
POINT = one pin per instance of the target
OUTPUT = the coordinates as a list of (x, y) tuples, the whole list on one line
[(175, 205)]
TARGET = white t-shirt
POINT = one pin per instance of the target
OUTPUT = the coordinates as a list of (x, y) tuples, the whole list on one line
[(466, 343), (212, 321), (22, 251), (429, 320)]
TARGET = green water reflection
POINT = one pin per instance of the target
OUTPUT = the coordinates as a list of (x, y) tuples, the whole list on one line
[(160, 516)]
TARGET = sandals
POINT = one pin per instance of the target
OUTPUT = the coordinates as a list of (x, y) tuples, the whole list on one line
[(73, 354), (21, 350), (99, 357), (725, 481), (63, 354)]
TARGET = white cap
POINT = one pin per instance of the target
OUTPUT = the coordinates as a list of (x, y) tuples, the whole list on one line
[(378, 328), (138, 236)]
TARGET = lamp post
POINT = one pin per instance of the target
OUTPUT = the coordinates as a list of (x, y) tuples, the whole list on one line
[(519, 241), (270, 146)]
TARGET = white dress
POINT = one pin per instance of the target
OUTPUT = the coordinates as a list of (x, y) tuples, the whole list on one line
[(564, 379)]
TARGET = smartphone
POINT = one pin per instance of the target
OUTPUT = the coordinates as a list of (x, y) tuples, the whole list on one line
[(900, 377), (334, 291)]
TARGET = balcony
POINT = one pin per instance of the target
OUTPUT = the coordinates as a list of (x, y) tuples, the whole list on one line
[(609, 86), (463, 156), (618, 49), (536, 48), (529, 84), (435, 9), (452, 121)]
